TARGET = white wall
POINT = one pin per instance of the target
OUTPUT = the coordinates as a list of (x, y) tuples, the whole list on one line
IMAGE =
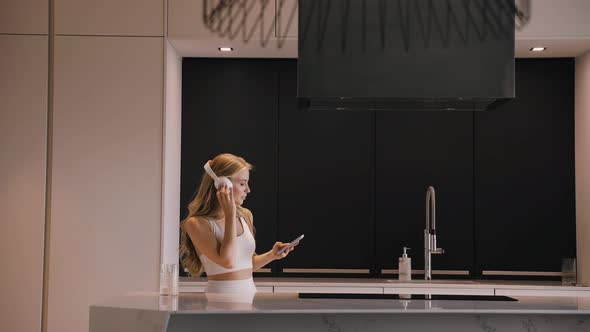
[(23, 144), (582, 130), (171, 177)]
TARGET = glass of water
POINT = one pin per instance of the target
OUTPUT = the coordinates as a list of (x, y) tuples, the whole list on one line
[(169, 279), (568, 271)]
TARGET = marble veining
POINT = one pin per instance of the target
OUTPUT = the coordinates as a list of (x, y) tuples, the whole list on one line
[(149, 312)]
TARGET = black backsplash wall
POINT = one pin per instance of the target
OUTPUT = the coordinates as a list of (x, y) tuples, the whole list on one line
[(354, 182), (525, 178)]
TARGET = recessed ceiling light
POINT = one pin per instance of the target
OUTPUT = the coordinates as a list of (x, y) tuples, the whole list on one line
[(225, 49), (538, 49)]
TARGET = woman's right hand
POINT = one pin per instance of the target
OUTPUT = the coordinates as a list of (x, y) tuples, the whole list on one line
[(226, 201)]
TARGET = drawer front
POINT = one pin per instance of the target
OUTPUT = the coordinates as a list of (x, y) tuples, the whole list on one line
[(201, 289), (265, 289), (542, 292)]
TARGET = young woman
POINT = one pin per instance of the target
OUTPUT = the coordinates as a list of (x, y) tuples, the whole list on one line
[(218, 234)]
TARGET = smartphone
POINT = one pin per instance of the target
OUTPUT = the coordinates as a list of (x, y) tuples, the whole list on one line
[(291, 244)]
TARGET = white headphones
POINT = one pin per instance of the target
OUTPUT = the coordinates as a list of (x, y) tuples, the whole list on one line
[(218, 180)]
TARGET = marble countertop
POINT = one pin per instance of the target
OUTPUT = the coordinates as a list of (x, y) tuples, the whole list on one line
[(281, 303), (368, 282)]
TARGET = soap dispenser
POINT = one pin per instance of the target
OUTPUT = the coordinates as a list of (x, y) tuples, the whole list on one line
[(405, 266)]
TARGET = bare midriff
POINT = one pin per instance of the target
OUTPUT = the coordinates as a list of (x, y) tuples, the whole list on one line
[(234, 275)]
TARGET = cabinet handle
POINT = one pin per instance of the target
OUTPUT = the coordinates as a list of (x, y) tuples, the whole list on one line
[(263, 270), (521, 273), (356, 271), (437, 272)]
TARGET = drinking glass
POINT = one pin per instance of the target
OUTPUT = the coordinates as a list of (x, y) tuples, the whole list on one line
[(568, 271), (169, 279)]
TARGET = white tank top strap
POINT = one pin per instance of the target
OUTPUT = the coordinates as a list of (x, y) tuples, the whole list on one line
[(244, 225), (216, 229), (214, 226)]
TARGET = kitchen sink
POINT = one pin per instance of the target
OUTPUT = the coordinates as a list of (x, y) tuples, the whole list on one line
[(405, 297)]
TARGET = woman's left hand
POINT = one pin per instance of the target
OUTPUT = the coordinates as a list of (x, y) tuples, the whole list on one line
[(278, 246)]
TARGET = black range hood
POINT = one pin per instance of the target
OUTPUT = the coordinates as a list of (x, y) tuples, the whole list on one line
[(405, 54)]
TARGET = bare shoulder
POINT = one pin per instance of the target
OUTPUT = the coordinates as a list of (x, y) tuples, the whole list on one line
[(196, 224)]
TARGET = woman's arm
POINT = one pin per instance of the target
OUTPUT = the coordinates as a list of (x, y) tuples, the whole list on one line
[(203, 239), (258, 261), (202, 236), (228, 247)]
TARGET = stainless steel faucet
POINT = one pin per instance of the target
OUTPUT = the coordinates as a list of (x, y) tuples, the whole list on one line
[(430, 233)]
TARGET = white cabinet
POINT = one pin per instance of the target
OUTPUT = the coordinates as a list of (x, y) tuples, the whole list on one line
[(23, 145), (542, 292), (110, 17), (264, 289), (24, 16), (107, 172)]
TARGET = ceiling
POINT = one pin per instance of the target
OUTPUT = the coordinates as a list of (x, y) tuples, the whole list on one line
[(187, 47), (268, 29)]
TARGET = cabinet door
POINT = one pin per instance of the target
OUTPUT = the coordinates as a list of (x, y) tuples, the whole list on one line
[(231, 105), (524, 166), (415, 150), (325, 183)]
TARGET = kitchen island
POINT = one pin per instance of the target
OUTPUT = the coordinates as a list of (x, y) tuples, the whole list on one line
[(394, 286), (149, 312)]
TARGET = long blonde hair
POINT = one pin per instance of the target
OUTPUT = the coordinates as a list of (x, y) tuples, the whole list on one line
[(205, 204)]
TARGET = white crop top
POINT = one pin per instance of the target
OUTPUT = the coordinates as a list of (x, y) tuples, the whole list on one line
[(245, 250)]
